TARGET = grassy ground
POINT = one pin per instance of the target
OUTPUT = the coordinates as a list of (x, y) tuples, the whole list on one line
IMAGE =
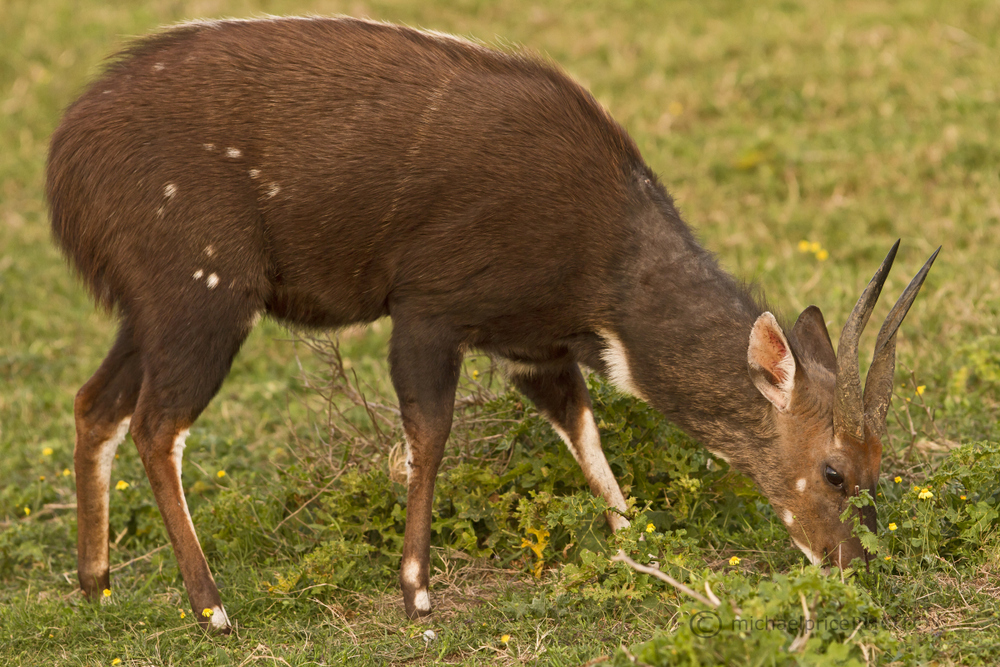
[(842, 124)]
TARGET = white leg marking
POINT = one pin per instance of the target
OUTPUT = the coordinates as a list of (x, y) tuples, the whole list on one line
[(212, 280), (813, 558), (107, 449), (616, 360), (219, 619), (569, 443), (787, 517), (422, 601), (411, 573), (178, 454), (598, 472), (801, 485)]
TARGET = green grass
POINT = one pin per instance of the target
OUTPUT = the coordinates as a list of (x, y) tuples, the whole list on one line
[(845, 124)]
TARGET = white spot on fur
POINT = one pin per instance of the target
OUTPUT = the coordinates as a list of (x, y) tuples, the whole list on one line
[(158, 67), (616, 360), (105, 92), (255, 319), (254, 173), (208, 147), (219, 620), (198, 274), (788, 517), (273, 189), (801, 485), (159, 212), (422, 601), (813, 558), (718, 455), (210, 250), (212, 280), (169, 190), (234, 152)]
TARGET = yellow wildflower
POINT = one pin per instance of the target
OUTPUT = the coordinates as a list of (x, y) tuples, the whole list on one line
[(650, 527), (220, 474), (27, 511), (66, 472), (475, 374), (505, 639), (116, 661), (41, 478), (962, 497), (122, 485), (892, 526), (822, 255), (207, 613), (920, 390), (925, 494), (815, 247), (47, 451), (897, 479), (675, 108), (107, 592), (803, 246), (183, 615), (888, 557), (735, 560)]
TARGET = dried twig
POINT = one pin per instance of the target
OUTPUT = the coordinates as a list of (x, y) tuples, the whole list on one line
[(620, 557)]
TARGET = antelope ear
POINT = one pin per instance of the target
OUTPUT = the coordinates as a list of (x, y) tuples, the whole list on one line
[(811, 339), (772, 366)]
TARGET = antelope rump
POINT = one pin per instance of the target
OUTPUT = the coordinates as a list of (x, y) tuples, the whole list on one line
[(332, 171)]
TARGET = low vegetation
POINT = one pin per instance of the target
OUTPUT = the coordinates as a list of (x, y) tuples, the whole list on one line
[(800, 139)]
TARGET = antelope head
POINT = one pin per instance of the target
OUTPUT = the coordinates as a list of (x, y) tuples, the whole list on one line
[(829, 431)]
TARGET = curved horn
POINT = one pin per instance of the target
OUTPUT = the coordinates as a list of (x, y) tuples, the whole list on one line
[(878, 384), (848, 410)]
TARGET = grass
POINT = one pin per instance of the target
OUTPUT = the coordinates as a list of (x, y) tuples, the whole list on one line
[(844, 124)]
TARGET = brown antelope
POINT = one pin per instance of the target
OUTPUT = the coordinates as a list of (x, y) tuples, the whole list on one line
[(331, 171)]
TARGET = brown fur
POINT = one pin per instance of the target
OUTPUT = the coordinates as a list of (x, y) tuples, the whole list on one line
[(331, 171)]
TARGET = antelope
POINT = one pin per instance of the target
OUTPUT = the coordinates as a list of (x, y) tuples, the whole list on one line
[(329, 171)]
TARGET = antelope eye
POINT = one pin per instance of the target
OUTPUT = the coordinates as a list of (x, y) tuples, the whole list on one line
[(834, 477)]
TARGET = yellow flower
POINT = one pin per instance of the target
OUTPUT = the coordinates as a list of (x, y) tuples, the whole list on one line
[(888, 557), (822, 255), (675, 108), (815, 247), (47, 451), (650, 527), (107, 592), (925, 494), (892, 526), (920, 390), (475, 374), (962, 497), (41, 478), (220, 474), (183, 615), (735, 560), (207, 613), (505, 639), (803, 246), (66, 472), (122, 485), (898, 479), (27, 511), (116, 661)]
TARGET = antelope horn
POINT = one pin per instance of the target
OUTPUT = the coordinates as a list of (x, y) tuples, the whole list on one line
[(878, 384), (848, 410)]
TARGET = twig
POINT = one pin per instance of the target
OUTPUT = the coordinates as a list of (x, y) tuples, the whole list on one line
[(620, 557)]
